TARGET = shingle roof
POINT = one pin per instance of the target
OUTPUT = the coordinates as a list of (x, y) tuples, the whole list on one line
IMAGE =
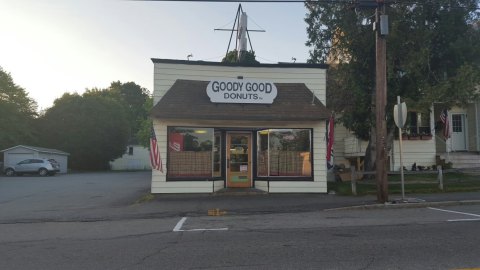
[(39, 149), (188, 99)]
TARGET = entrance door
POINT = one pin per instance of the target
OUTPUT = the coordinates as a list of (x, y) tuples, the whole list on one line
[(239, 165), (459, 138)]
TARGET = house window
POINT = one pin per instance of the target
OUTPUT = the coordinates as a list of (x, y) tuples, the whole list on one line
[(130, 150), (418, 123), (190, 152), (284, 152)]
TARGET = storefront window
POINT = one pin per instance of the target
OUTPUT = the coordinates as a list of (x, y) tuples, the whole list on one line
[(217, 161), (284, 152), (190, 152)]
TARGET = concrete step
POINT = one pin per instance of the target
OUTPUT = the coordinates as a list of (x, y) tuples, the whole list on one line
[(462, 160)]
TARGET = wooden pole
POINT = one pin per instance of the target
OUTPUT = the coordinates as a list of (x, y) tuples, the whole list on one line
[(440, 178), (380, 103), (354, 181)]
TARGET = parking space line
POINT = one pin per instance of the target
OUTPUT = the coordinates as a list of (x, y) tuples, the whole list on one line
[(455, 212), (199, 230), (465, 219), (178, 227)]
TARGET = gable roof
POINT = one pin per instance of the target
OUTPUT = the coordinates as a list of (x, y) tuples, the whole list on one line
[(188, 99), (39, 149)]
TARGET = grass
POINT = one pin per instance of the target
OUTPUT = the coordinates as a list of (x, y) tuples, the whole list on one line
[(414, 183), (145, 198)]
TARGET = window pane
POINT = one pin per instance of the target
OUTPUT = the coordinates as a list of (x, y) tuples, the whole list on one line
[(217, 162), (190, 152), (456, 123), (284, 152), (262, 153)]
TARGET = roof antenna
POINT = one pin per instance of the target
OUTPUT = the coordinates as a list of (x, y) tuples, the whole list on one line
[(240, 26), (188, 57), (294, 59)]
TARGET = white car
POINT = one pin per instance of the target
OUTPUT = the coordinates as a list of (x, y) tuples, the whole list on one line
[(42, 166)]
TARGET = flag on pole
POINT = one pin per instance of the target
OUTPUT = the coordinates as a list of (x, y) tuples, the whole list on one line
[(155, 158), (446, 125), (330, 136)]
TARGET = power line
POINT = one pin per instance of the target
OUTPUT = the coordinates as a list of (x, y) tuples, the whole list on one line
[(308, 1)]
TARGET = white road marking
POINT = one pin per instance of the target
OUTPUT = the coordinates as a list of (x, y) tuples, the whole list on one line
[(455, 212), (199, 230), (178, 227), (466, 219)]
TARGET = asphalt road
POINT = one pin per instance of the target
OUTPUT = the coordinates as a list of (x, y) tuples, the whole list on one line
[(73, 234), (70, 196)]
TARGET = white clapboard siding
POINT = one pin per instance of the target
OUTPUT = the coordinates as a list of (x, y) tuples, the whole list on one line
[(262, 185), (340, 133), (421, 152), (217, 185), (166, 74), (139, 160), (354, 147), (297, 187), (182, 187), (319, 156)]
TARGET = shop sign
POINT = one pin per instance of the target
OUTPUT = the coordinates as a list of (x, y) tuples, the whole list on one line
[(241, 91)]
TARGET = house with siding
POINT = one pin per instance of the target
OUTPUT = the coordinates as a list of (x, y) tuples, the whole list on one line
[(461, 148), (221, 125), (136, 157)]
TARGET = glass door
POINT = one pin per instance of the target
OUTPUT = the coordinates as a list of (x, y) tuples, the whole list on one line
[(239, 165)]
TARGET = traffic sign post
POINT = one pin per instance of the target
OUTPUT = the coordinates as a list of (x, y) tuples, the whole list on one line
[(400, 117)]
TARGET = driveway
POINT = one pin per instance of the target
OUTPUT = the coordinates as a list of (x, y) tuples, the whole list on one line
[(70, 196)]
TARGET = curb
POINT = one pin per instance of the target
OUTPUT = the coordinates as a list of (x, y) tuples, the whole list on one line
[(405, 205)]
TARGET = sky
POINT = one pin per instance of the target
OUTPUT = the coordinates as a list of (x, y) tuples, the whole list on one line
[(50, 47)]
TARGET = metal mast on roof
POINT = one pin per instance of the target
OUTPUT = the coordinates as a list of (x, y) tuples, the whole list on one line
[(242, 33)]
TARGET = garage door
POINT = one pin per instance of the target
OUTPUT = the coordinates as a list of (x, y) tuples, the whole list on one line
[(13, 158)]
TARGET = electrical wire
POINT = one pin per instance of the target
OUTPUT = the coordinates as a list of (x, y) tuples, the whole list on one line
[(306, 1)]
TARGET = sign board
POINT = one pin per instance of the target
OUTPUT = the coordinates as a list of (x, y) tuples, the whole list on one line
[(244, 168), (400, 114), (241, 91)]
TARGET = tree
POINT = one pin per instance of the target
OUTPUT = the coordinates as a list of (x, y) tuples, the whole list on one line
[(94, 129), (144, 133), (432, 56), (232, 57), (135, 100), (17, 111)]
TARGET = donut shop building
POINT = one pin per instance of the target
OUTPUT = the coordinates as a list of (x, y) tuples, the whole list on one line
[(231, 126)]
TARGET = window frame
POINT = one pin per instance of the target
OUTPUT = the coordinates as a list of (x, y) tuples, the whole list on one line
[(286, 177), (170, 178), (254, 130)]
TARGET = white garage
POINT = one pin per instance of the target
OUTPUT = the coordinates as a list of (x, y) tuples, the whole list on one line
[(13, 155)]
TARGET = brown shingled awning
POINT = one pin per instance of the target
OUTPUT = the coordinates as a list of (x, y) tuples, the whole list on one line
[(188, 99)]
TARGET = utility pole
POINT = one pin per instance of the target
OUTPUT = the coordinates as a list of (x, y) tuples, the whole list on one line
[(381, 30)]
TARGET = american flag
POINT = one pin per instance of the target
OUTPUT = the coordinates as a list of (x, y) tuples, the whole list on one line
[(446, 125), (330, 137), (155, 158)]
